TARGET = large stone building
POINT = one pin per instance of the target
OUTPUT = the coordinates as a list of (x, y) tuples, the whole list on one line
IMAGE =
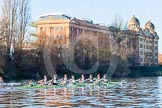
[(147, 41), (141, 44), (62, 29), (160, 59)]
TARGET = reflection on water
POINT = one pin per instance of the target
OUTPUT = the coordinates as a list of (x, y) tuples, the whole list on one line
[(141, 92)]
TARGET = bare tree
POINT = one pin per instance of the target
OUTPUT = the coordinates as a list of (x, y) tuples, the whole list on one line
[(23, 21), (8, 21), (14, 22), (119, 32), (15, 16)]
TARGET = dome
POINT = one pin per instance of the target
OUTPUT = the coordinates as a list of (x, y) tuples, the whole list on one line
[(134, 24), (134, 20), (149, 25)]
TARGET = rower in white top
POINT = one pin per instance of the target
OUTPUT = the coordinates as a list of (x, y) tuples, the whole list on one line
[(73, 81), (54, 80), (1, 80), (90, 79), (82, 80), (98, 79), (64, 81), (104, 79), (43, 81)]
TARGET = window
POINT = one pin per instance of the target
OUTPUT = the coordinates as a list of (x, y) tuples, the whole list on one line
[(42, 29), (56, 28), (61, 28), (156, 42), (147, 41), (141, 39), (156, 47), (53, 28), (141, 46), (59, 55), (63, 46), (156, 60), (62, 37), (57, 36), (141, 59), (80, 30), (71, 28), (156, 54), (133, 26), (58, 46), (150, 47), (141, 52)]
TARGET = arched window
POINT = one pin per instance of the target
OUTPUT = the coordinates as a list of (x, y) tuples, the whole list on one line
[(41, 29)]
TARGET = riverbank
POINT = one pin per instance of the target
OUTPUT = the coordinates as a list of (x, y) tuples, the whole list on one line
[(139, 71), (145, 71)]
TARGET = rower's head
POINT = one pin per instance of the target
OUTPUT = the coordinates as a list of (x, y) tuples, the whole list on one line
[(98, 76), (90, 76), (73, 77), (65, 76), (104, 76), (55, 76), (45, 77), (82, 76)]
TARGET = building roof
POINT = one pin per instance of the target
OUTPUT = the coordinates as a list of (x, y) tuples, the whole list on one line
[(134, 20), (57, 15), (88, 23), (149, 25)]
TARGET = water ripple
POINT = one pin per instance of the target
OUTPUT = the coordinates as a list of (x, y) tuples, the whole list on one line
[(141, 92)]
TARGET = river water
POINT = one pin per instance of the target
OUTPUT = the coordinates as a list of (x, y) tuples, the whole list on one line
[(139, 92)]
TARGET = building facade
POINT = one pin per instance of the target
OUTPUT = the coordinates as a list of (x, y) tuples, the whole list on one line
[(160, 59), (147, 41), (141, 44)]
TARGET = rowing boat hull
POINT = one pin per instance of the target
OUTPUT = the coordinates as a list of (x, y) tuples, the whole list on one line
[(10, 84), (70, 85), (40, 86)]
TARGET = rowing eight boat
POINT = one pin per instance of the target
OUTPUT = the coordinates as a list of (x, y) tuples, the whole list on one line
[(110, 84)]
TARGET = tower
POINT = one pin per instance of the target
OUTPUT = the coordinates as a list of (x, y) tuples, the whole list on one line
[(134, 24)]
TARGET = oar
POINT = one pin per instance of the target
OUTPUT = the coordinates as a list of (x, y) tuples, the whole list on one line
[(49, 80), (40, 81)]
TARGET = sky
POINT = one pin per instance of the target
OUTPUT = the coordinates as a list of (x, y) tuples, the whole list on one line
[(103, 11)]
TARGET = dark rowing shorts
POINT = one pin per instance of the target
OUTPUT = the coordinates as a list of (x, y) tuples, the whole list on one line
[(55, 84)]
